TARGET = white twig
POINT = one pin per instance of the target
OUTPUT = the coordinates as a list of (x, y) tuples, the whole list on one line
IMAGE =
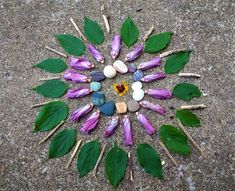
[(191, 139), (171, 52), (105, 18), (148, 33), (40, 104), (56, 51), (74, 153), (130, 166), (189, 75), (204, 94), (51, 78), (78, 30), (52, 132), (199, 106), (168, 153), (98, 161)]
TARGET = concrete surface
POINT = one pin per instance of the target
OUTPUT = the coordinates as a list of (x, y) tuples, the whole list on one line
[(205, 26)]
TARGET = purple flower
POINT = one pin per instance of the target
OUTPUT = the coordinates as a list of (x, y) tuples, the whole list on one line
[(73, 76), (155, 107), (96, 53), (150, 64), (153, 77), (127, 131), (78, 92), (116, 46), (135, 53), (145, 123), (80, 63), (110, 128), (159, 93), (77, 114), (90, 123)]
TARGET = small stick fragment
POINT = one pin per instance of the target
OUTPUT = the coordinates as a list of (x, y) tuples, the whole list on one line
[(52, 132), (204, 94), (130, 166), (171, 52), (40, 104), (199, 106), (189, 75), (105, 18), (191, 139), (148, 33), (56, 51), (74, 153), (78, 30), (51, 78), (168, 153), (98, 161)]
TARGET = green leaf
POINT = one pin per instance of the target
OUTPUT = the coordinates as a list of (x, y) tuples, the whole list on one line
[(115, 165), (62, 143), (71, 44), (186, 91), (176, 62), (52, 89), (174, 139), (51, 115), (88, 157), (129, 32), (93, 31), (53, 65), (149, 159), (188, 118), (157, 42)]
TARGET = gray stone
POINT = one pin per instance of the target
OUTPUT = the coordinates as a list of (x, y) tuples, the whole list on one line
[(133, 106)]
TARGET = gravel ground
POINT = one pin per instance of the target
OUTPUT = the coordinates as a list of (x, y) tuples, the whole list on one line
[(205, 26)]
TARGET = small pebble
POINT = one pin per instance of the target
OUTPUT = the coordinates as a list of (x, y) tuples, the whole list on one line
[(108, 108), (95, 86), (132, 68), (98, 98), (133, 106), (109, 71), (138, 75), (97, 76), (121, 107), (138, 95), (120, 66), (136, 85)]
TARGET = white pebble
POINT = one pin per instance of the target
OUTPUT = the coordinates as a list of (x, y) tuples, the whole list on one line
[(136, 85), (120, 66), (138, 95), (109, 71)]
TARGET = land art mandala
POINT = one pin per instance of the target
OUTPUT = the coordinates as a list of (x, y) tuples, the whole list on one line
[(53, 114)]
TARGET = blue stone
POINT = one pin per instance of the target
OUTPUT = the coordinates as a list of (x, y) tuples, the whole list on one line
[(132, 67), (108, 108), (138, 75), (97, 76), (98, 98), (95, 86)]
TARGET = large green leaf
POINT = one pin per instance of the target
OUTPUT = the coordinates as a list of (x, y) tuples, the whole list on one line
[(50, 115), (186, 91), (88, 157), (71, 44), (52, 89), (174, 139), (53, 65), (188, 118), (157, 42), (149, 159), (62, 143), (93, 31), (176, 62), (129, 32), (115, 165)]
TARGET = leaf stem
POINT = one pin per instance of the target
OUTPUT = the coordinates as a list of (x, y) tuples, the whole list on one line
[(171, 52), (50, 78), (105, 18), (40, 104), (130, 166), (150, 31), (56, 51), (189, 75), (199, 106), (78, 30)]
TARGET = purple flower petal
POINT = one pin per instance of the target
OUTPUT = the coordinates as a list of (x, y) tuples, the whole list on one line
[(135, 53), (127, 131), (80, 63), (150, 64), (153, 77), (79, 113), (110, 128), (116, 46), (159, 93), (95, 53), (78, 92), (90, 123), (145, 123), (154, 107), (73, 76)]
